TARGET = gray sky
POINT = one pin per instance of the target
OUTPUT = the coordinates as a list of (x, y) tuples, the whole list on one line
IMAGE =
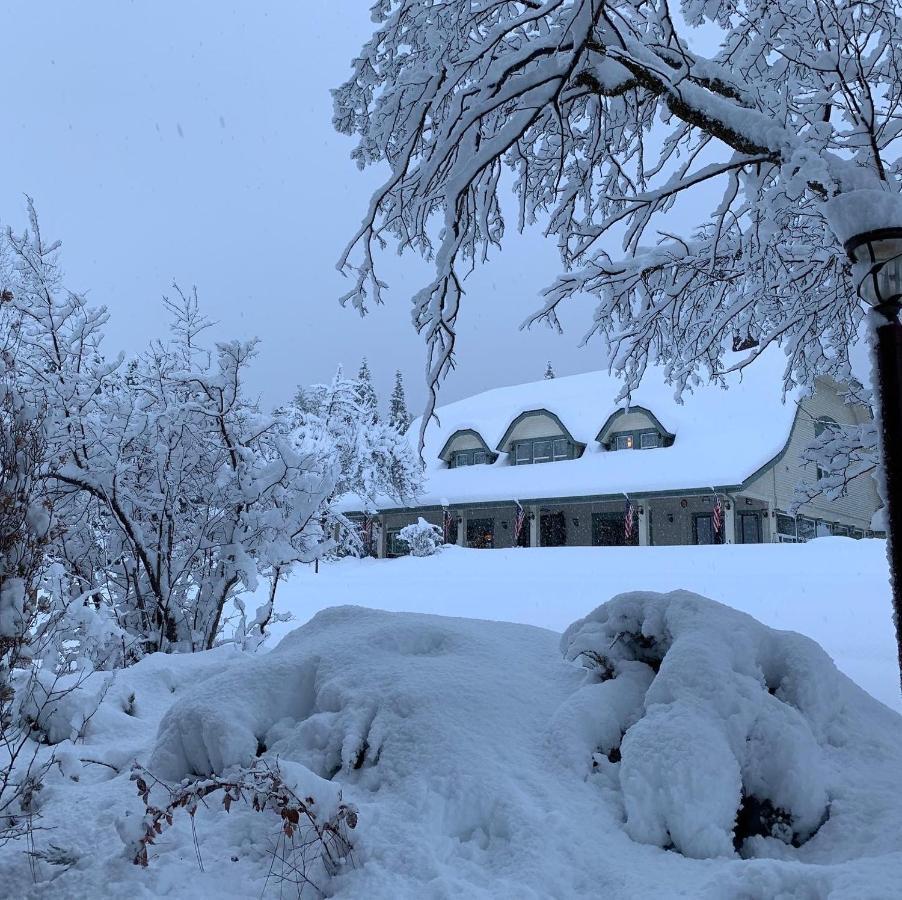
[(193, 141)]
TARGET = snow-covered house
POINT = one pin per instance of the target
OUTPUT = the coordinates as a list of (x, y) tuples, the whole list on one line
[(558, 462)]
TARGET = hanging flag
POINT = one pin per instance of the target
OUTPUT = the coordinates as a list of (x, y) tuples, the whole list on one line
[(519, 523), (628, 521), (717, 515)]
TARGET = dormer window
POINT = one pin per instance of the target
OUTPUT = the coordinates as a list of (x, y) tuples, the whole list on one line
[(635, 428), (469, 458), (635, 440), (542, 450), (539, 436), (466, 448)]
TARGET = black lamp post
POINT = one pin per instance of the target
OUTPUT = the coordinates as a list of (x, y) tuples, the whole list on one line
[(877, 255)]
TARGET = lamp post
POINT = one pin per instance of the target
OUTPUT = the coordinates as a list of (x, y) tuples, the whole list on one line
[(877, 258)]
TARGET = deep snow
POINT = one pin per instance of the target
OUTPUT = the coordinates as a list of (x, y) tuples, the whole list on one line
[(833, 589), (468, 746)]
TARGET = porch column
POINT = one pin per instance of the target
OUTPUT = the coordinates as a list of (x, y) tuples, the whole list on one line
[(380, 533), (729, 521), (461, 530), (534, 526), (643, 518), (768, 523)]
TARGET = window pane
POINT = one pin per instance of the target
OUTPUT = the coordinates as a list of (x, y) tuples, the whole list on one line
[(461, 458), (786, 525), (648, 440), (562, 449), (541, 451), (624, 442), (523, 453), (479, 458), (807, 529)]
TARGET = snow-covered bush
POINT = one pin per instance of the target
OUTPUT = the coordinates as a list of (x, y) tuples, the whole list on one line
[(312, 843), (173, 493), (423, 538), (717, 731)]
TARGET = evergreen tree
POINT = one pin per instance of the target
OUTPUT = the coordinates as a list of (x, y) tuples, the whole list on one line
[(366, 393), (549, 372), (398, 415)]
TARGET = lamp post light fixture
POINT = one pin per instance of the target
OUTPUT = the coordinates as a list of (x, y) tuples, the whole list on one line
[(877, 258)]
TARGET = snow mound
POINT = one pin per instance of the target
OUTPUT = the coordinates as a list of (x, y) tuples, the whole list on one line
[(734, 744), (484, 764)]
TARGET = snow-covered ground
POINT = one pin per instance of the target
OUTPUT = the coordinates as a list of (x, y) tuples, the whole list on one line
[(486, 761), (834, 589)]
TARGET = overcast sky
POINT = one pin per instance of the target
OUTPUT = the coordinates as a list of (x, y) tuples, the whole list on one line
[(193, 141)]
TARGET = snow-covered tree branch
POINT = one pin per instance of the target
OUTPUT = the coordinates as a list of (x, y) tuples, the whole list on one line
[(608, 116)]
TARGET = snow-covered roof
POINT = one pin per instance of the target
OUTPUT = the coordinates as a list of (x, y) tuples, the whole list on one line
[(722, 436)]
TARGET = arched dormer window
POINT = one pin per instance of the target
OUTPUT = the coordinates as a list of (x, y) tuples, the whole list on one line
[(635, 428), (539, 436), (466, 448)]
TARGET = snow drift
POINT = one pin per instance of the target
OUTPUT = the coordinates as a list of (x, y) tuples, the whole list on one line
[(476, 754)]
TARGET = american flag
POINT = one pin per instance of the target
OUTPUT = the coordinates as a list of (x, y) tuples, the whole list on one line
[(628, 521), (447, 523), (717, 515), (519, 522)]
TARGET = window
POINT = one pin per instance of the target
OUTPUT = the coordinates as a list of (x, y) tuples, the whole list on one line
[(623, 442), (469, 458), (394, 545), (842, 530), (807, 528), (542, 450), (822, 424), (786, 525), (648, 440)]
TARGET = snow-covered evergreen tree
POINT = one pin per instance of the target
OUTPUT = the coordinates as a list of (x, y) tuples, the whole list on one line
[(366, 393), (398, 416), (370, 460), (549, 372)]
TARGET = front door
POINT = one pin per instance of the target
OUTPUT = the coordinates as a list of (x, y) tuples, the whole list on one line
[(749, 528), (553, 528), (704, 530), (481, 533)]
